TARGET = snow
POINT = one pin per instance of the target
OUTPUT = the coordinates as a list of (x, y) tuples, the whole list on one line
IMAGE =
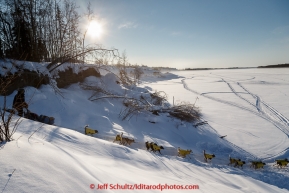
[(12, 66), (248, 105)]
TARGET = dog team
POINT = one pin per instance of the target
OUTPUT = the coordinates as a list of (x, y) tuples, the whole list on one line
[(152, 146), (123, 140)]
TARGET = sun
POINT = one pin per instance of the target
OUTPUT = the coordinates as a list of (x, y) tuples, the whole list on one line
[(95, 29)]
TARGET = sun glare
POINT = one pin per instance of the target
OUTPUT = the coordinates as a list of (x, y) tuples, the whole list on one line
[(95, 29)]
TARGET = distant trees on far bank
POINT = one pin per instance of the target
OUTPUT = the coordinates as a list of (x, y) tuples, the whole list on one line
[(286, 65)]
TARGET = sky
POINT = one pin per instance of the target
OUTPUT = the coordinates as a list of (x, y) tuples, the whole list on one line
[(194, 33)]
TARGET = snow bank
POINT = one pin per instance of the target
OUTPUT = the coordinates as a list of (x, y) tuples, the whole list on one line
[(61, 158)]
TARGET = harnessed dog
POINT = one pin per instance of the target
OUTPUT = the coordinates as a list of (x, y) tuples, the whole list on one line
[(282, 162), (149, 145), (90, 131), (183, 153), (239, 163), (127, 141), (157, 148), (118, 138), (257, 164), (232, 160), (208, 156)]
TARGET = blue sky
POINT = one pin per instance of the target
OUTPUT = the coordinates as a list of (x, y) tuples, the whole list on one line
[(195, 33)]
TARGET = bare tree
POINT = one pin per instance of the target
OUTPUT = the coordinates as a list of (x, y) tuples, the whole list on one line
[(154, 103), (8, 122), (122, 65), (137, 73)]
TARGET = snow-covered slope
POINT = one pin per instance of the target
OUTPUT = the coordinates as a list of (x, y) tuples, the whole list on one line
[(60, 158)]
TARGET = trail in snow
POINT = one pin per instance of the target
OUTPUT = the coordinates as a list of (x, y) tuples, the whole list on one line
[(277, 114), (258, 106), (258, 99), (237, 94), (282, 126), (281, 117), (172, 151), (249, 155), (276, 124)]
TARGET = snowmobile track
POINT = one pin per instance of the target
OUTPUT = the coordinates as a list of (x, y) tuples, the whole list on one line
[(263, 116), (281, 117)]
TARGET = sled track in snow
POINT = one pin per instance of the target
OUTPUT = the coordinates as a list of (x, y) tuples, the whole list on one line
[(172, 151), (281, 117), (278, 115), (233, 90), (283, 126), (198, 158), (249, 155), (263, 116), (219, 162), (168, 167)]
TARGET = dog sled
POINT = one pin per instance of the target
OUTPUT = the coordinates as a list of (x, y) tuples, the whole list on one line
[(40, 118)]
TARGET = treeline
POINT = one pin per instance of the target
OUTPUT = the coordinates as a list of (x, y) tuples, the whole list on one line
[(276, 66), (37, 30), (229, 68)]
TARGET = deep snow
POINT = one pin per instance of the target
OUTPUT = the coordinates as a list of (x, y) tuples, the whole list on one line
[(249, 106)]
